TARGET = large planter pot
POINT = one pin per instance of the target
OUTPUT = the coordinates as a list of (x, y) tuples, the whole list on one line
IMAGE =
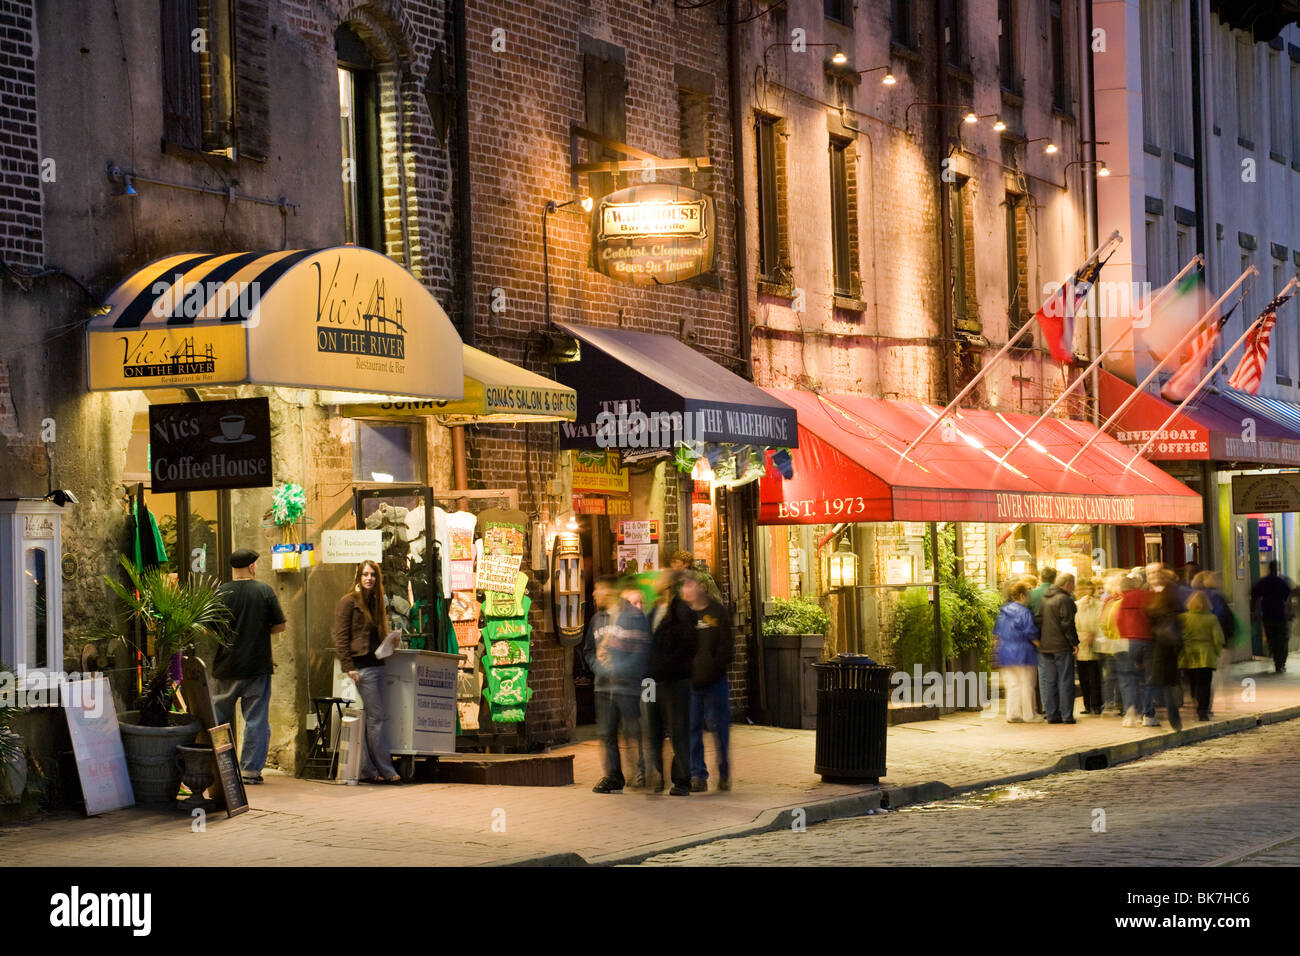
[(791, 681), (151, 755), (198, 770), (13, 776)]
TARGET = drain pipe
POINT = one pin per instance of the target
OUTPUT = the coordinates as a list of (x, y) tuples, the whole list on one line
[(758, 668), (461, 178)]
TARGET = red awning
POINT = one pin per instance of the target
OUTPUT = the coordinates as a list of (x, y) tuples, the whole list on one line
[(849, 467), (1212, 428)]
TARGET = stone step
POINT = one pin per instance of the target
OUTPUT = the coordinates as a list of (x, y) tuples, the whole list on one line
[(506, 770)]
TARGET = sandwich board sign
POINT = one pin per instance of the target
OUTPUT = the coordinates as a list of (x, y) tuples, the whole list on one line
[(97, 745)]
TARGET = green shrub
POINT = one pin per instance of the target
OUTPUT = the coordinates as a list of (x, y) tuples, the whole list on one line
[(975, 609), (796, 616), (966, 616)]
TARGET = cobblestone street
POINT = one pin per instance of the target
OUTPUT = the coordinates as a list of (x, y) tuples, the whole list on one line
[(1230, 801)]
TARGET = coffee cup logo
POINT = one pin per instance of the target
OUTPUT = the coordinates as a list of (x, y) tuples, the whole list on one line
[(232, 431)]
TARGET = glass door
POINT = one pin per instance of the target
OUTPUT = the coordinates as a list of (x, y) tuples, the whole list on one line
[(404, 516)]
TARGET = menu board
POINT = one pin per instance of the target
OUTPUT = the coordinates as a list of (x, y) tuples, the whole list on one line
[(232, 781), (97, 744)]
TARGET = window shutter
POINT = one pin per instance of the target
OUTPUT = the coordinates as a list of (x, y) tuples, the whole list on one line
[(182, 110), (252, 90)]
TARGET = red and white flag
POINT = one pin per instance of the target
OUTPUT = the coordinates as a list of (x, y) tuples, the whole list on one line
[(1178, 388), (1250, 371), (1056, 316)]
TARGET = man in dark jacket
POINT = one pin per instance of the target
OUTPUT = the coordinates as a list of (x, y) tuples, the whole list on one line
[(617, 648), (1270, 602), (1057, 645), (710, 693), (666, 702)]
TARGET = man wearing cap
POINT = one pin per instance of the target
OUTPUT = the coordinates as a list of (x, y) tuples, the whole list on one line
[(242, 670)]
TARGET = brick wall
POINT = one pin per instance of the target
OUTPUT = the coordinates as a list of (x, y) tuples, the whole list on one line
[(21, 239), (526, 86)]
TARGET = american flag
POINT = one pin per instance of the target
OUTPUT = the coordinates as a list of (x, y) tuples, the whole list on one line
[(1250, 372), (1180, 387)]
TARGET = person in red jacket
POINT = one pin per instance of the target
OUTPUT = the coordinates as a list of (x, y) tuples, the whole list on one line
[(1135, 626)]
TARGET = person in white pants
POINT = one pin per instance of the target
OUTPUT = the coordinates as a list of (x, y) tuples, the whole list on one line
[(1017, 653)]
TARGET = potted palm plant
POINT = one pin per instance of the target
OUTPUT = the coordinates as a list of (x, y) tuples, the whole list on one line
[(164, 616), (13, 762)]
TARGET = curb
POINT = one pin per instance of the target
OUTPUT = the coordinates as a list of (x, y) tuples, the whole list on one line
[(891, 798)]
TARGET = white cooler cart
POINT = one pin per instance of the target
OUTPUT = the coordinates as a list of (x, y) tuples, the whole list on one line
[(420, 697)]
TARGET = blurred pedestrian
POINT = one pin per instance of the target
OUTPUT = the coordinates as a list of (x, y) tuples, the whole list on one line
[(1163, 611), (1016, 655), (1209, 583), (672, 654), (1202, 643), (1087, 623), (1270, 603), (1058, 642), (1135, 627), (1108, 642), (710, 691), (1046, 578), (617, 648)]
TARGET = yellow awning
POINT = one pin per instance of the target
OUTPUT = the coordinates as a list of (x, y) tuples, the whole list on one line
[(495, 391), (343, 318)]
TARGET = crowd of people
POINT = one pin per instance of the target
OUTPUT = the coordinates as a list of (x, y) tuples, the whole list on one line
[(1137, 641), (658, 670)]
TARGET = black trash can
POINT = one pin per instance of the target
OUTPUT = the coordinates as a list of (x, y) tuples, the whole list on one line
[(852, 718)]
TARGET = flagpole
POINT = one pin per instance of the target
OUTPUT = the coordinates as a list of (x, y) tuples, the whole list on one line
[(1208, 375), (1138, 389), (1196, 260), (1114, 238)]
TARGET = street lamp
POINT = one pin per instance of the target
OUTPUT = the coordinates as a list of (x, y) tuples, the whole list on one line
[(1049, 149), (551, 206)]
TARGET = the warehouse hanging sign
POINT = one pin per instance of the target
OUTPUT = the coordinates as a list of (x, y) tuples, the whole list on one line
[(653, 235)]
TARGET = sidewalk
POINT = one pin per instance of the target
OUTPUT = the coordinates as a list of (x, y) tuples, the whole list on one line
[(301, 822)]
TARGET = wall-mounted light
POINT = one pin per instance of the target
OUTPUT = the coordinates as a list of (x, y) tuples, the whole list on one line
[(1102, 171), (1022, 562), (970, 117), (585, 204), (843, 566), (888, 80)]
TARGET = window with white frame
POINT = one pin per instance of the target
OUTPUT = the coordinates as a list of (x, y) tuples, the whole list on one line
[(1279, 139), (1245, 90), (1284, 331)]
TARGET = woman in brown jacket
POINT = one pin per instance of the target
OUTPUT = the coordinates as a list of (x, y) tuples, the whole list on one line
[(358, 631)]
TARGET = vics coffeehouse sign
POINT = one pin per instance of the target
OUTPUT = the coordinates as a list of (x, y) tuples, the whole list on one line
[(199, 446), (653, 235)]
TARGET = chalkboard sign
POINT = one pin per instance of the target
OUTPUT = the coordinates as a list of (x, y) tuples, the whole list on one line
[(97, 744), (232, 782)]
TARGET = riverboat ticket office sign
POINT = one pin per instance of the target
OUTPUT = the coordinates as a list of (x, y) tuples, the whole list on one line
[(653, 235)]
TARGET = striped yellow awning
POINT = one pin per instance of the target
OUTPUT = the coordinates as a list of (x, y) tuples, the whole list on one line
[(342, 318), (495, 391)]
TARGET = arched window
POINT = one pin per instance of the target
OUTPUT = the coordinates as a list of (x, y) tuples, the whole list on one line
[(362, 173)]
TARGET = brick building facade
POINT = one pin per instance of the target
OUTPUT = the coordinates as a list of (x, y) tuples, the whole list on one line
[(531, 71)]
